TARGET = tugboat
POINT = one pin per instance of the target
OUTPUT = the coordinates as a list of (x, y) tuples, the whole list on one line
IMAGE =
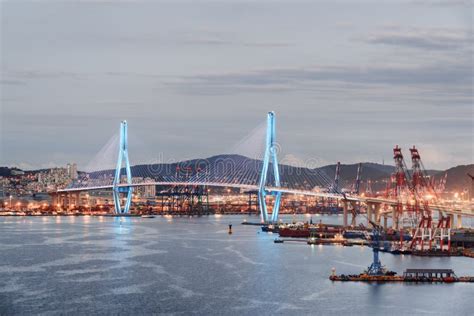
[(278, 241), (401, 251)]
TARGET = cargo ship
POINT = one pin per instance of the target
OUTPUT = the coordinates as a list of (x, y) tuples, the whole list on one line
[(294, 232)]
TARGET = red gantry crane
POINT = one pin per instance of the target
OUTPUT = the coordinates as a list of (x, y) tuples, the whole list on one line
[(426, 236)]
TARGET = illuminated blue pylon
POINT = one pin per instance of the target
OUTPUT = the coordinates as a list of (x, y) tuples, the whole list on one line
[(270, 154), (122, 157)]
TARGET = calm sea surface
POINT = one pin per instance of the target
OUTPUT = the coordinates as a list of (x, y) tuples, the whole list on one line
[(103, 265)]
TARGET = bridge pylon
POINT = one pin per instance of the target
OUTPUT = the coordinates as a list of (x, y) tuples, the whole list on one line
[(122, 158), (270, 154)]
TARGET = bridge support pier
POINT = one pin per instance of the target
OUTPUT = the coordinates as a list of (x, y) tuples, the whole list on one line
[(65, 202), (270, 154), (385, 221), (369, 214), (394, 217), (54, 199), (355, 208), (69, 201), (345, 213), (377, 207), (60, 203), (373, 213), (77, 199), (122, 157), (459, 221)]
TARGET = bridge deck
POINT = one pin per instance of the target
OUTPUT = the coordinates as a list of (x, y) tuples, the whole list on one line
[(346, 197)]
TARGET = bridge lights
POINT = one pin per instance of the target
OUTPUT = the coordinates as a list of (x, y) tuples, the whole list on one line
[(269, 154), (122, 157)]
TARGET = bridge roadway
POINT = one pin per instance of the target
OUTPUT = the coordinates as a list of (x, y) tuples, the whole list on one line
[(349, 198)]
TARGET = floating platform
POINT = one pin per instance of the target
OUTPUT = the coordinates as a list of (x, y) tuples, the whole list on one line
[(410, 275), (337, 241), (327, 241)]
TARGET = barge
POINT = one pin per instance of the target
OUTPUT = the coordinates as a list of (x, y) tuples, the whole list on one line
[(410, 275), (328, 241)]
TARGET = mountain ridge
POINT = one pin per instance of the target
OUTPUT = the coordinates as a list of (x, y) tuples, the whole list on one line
[(457, 179)]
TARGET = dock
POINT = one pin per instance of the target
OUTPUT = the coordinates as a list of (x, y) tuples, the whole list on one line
[(410, 275)]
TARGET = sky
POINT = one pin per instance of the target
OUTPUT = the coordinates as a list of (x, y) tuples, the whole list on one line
[(348, 80)]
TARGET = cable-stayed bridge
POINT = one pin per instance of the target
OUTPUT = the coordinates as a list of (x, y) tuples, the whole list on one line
[(262, 173)]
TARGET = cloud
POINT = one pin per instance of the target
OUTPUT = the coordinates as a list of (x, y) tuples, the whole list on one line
[(434, 156), (190, 78), (200, 37), (214, 38), (26, 74), (222, 41), (451, 79), (443, 2), (430, 39), (11, 82)]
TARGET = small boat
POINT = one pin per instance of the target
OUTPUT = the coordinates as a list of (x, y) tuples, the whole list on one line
[(278, 241), (148, 216), (401, 252)]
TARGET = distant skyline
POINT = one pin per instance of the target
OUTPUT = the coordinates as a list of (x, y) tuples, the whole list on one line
[(347, 79)]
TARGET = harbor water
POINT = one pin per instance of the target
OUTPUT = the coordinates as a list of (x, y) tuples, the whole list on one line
[(182, 265)]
